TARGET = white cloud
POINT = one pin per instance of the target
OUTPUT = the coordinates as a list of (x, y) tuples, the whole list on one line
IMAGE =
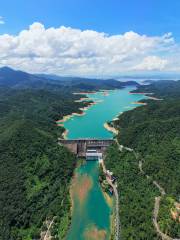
[(2, 20), (152, 63), (65, 50)]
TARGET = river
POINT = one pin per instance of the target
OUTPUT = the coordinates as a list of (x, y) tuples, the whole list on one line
[(92, 209)]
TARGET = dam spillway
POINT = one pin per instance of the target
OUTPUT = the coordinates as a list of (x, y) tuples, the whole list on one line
[(87, 147), (93, 213)]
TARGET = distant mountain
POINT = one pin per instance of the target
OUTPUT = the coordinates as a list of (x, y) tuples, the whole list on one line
[(162, 88), (148, 82), (153, 131), (89, 83), (72, 80), (20, 79), (152, 76)]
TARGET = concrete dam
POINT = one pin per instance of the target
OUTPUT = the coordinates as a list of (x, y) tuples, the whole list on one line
[(91, 149)]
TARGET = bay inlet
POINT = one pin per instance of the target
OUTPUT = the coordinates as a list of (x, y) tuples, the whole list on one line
[(91, 213)]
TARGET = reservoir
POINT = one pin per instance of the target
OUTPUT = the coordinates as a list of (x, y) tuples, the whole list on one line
[(91, 208)]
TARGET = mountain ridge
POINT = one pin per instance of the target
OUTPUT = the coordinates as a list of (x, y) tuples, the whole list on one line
[(20, 79)]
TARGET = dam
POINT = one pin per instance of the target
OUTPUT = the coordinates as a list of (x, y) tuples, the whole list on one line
[(90, 148), (92, 212)]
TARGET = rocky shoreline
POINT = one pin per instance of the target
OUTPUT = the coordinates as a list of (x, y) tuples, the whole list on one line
[(111, 129), (60, 123)]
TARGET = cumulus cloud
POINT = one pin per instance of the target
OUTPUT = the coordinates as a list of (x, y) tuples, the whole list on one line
[(2, 20), (152, 63), (65, 50)]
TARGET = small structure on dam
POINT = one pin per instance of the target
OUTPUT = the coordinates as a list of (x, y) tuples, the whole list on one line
[(91, 149)]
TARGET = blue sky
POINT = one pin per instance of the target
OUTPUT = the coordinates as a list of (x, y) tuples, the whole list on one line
[(153, 18)]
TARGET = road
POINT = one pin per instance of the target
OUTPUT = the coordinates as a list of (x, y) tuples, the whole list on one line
[(157, 199), (47, 235), (114, 186)]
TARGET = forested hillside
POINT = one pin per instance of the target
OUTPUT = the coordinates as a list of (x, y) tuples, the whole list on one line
[(35, 172), (19, 79), (153, 131), (162, 88)]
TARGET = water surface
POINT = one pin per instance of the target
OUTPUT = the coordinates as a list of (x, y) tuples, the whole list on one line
[(91, 212), (91, 124)]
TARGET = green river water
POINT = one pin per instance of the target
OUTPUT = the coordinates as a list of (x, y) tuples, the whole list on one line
[(91, 212)]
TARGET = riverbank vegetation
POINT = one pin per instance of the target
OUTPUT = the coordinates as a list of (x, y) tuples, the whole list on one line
[(154, 132), (35, 172), (136, 196), (168, 224)]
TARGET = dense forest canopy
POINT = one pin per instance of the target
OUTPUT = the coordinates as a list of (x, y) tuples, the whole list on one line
[(153, 131), (35, 171), (19, 79), (162, 88)]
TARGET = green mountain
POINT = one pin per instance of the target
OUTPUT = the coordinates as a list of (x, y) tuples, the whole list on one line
[(153, 131), (19, 79), (35, 172)]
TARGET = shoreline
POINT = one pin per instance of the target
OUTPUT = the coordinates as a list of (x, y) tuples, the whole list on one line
[(112, 221), (82, 109), (71, 198), (147, 95), (110, 202), (111, 129), (64, 134), (115, 132), (60, 123), (109, 199), (155, 98), (84, 93), (141, 93), (139, 103), (72, 182), (82, 99)]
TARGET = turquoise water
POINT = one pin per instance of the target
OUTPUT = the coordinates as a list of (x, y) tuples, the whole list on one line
[(92, 215), (94, 211), (91, 124)]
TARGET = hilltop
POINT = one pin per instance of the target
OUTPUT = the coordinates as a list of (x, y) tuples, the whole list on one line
[(19, 79), (153, 132)]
